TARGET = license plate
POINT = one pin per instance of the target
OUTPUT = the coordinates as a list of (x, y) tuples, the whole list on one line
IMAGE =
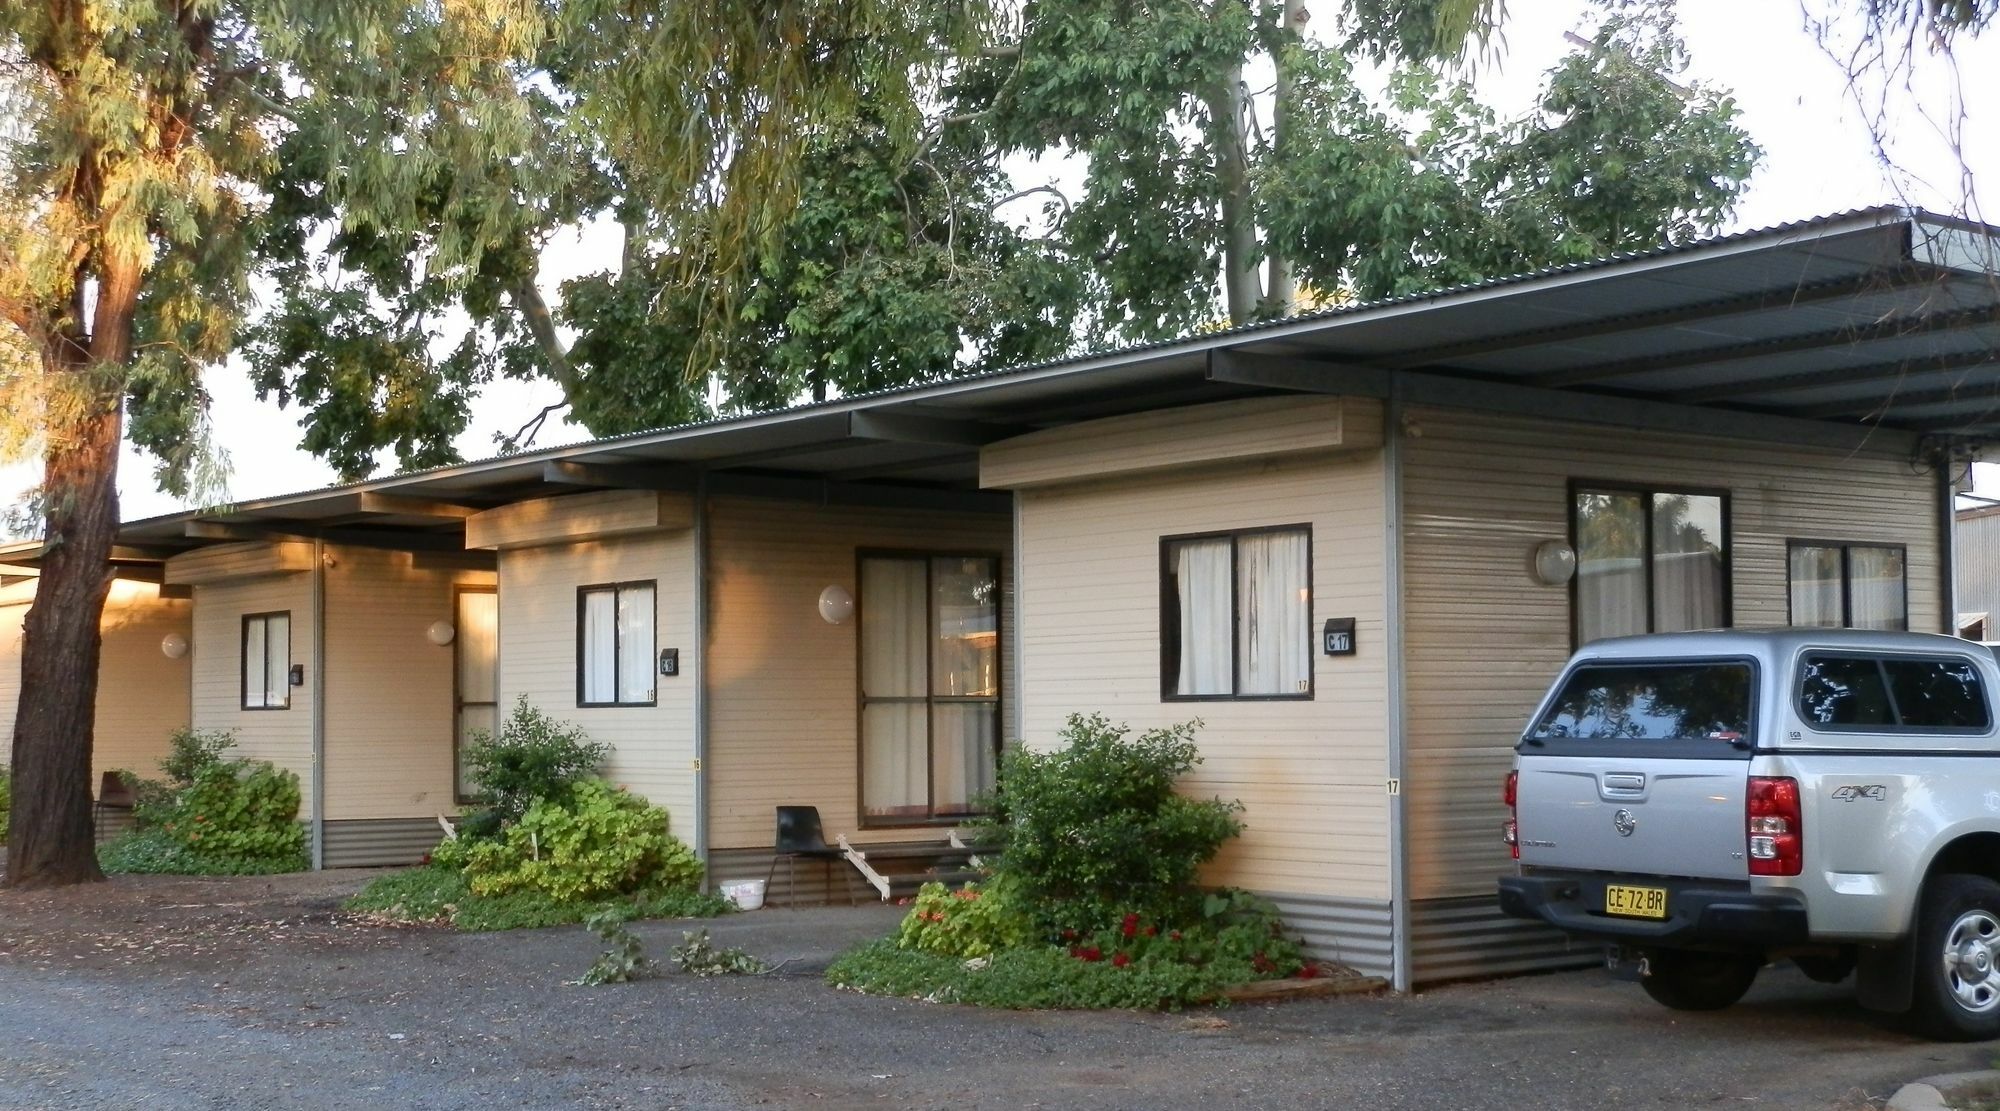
[(1635, 902)]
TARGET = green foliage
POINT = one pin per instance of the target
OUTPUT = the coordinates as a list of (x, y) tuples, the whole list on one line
[(624, 957), (593, 842), (193, 751), (438, 894), (535, 757), (698, 956), (974, 921), (240, 810), (1234, 939), (157, 852), (1094, 830)]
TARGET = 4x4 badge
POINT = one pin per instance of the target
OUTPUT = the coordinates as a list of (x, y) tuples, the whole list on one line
[(1624, 823), (1853, 791)]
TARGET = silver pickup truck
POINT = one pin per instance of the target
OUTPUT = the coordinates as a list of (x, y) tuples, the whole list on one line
[(1705, 803)]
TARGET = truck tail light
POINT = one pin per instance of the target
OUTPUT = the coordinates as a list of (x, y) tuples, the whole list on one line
[(1773, 826), (1510, 832)]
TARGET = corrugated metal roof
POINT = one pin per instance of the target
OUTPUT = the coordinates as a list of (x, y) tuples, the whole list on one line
[(1867, 298)]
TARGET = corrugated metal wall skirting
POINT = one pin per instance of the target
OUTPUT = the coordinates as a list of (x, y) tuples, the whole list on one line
[(806, 883), (376, 842), (1455, 939), (1353, 932)]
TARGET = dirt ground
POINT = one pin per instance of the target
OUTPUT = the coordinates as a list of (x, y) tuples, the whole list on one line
[(171, 992)]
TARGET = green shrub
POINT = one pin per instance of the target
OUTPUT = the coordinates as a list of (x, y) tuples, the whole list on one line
[(1040, 977), (441, 895), (535, 757), (1094, 830), (593, 842), (152, 799), (974, 921), (240, 809), (193, 751)]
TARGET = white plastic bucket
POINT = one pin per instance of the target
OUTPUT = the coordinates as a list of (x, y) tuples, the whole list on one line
[(746, 894)]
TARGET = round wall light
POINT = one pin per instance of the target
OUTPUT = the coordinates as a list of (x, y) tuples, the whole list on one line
[(173, 646), (836, 605), (440, 633), (1555, 562)]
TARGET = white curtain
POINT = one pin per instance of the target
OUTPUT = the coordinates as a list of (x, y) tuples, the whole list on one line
[(1201, 570), (965, 736), (254, 665), (1610, 565), (278, 660), (1687, 562), (1815, 586), (600, 646), (635, 644), (1273, 613), (1875, 588), (895, 737)]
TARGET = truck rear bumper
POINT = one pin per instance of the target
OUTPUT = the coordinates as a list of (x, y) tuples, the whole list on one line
[(1699, 914)]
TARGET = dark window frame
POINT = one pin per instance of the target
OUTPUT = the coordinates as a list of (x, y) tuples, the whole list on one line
[(1647, 491), (1889, 690), (617, 644), (1170, 625), (861, 699), (458, 702), (1846, 578), (243, 654)]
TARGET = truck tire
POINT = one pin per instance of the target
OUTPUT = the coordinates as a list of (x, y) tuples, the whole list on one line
[(1688, 980), (1956, 996)]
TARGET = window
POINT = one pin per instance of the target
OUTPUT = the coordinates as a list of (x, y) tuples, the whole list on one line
[(930, 685), (1236, 615), (1847, 586), (475, 651), (1631, 703), (1892, 693), (267, 661), (1649, 561), (614, 645)]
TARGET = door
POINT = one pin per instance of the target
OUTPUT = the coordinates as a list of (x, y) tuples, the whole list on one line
[(476, 664)]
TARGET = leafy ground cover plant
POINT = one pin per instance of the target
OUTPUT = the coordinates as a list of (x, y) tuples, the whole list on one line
[(1095, 900), (439, 894), (592, 841)]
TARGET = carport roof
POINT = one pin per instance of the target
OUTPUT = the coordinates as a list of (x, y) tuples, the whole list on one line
[(1877, 327)]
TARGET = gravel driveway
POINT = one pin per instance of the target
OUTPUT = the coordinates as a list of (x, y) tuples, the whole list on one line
[(259, 993)]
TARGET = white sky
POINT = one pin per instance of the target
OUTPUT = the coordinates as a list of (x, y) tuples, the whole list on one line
[(1818, 160)]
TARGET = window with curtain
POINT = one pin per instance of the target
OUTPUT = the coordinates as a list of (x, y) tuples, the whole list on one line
[(1236, 614), (615, 644), (1648, 561), (1847, 586), (930, 686), (267, 661)]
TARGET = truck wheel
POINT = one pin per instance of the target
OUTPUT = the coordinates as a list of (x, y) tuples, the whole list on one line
[(1687, 980), (1957, 992)]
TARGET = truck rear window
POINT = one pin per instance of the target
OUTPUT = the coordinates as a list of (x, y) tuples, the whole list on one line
[(1702, 701)]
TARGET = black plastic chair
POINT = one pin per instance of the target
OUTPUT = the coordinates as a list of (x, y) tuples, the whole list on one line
[(799, 837)]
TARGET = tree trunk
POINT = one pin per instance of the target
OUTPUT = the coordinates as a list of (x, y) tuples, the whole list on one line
[(1241, 283), (1284, 289), (51, 841)]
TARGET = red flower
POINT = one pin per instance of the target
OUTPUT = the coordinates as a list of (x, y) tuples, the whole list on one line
[(1152, 931), (1087, 953), (1173, 935), (1262, 963), (1069, 935), (1120, 961), (1131, 925), (1309, 972), (427, 860)]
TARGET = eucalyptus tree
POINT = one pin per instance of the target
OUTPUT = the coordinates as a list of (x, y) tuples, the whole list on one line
[(390, 160)]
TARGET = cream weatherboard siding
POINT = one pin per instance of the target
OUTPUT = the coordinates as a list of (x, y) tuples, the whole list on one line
[(1310, 773), (142, 696), (653, 746), (1484, 639), (783, 717), (284, 737), (388, 688)]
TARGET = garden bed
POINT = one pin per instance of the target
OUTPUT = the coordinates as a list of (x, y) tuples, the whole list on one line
[(441, 896)]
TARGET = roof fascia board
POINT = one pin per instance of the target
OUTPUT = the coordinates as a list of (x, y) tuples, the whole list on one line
[(1498, 397)]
